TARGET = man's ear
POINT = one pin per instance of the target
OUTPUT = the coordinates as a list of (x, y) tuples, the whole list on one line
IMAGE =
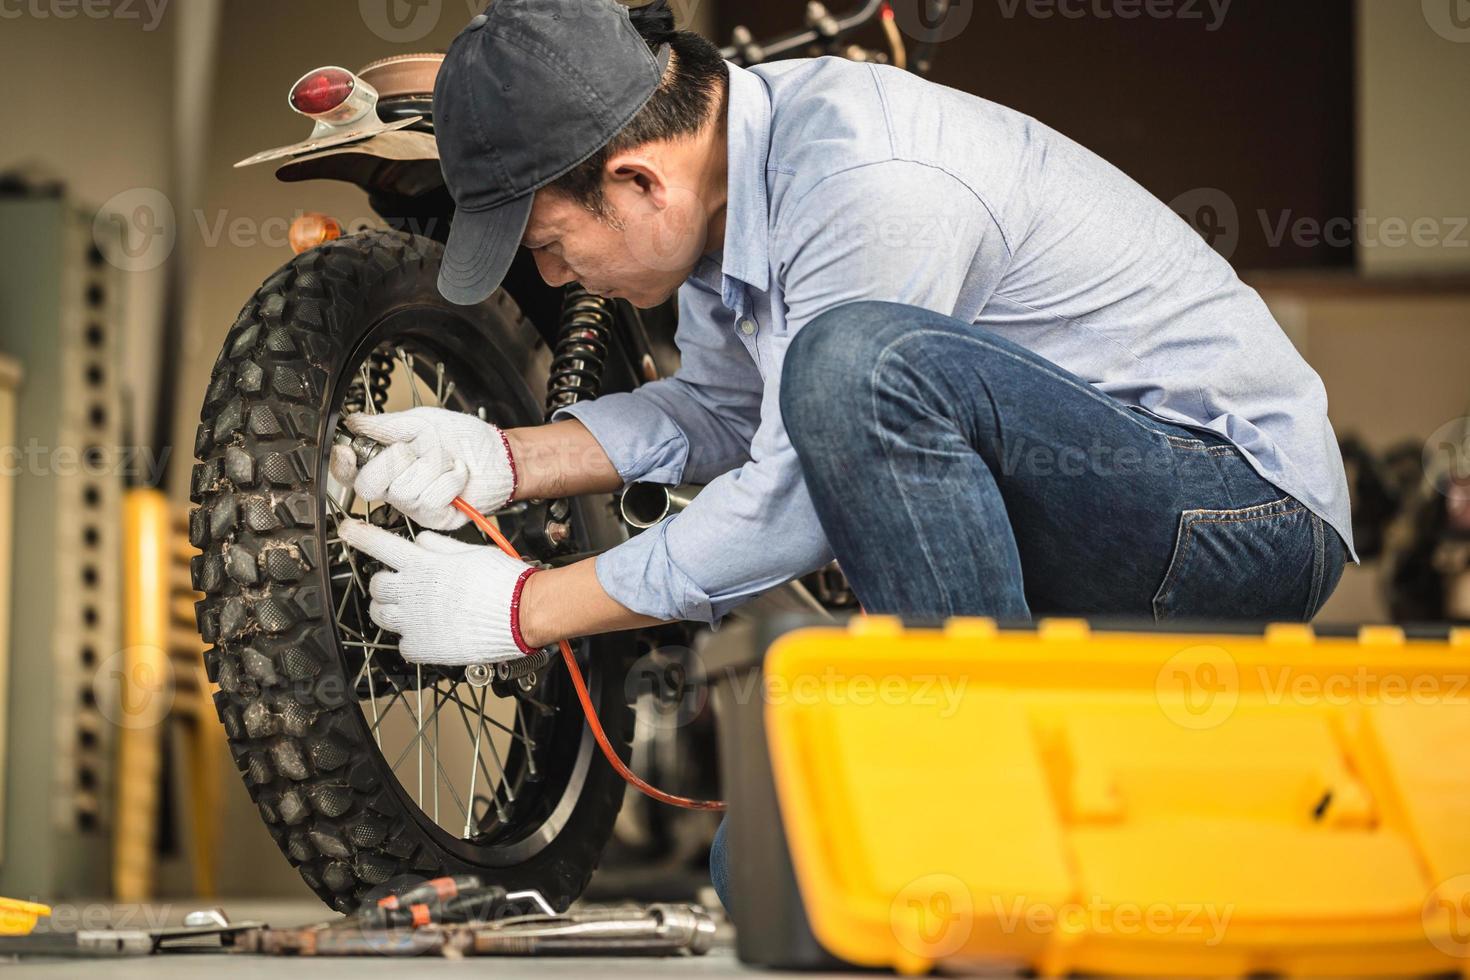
[(640, 173)]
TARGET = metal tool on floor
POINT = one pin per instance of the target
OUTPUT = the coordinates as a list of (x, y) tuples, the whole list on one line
[(206, 930), (655, 930)]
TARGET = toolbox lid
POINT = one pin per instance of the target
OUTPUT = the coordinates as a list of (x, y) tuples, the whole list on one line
[(1141, 803)]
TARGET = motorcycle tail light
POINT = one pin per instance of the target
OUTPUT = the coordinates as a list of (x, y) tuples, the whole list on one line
[(334, 97), (322, 91)]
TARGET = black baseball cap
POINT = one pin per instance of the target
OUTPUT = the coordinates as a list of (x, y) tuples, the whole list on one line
[(528, 90)]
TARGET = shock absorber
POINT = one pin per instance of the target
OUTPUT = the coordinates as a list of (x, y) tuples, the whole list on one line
[(581, 349)]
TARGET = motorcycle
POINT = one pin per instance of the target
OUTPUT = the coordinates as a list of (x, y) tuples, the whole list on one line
[(366, 768)]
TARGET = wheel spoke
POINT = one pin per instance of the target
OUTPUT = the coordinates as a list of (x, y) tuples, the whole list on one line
[(519, 723), (469, 732), (413, 386), (368, 404), (479, 733), (418, 673)]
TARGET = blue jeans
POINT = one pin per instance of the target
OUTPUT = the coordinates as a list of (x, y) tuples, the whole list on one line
[(956, 473)]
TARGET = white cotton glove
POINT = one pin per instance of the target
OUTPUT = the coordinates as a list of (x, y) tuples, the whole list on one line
[(450, 602), (430, 456)]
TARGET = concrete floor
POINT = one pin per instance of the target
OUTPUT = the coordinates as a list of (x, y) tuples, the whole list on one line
[(719, 962)]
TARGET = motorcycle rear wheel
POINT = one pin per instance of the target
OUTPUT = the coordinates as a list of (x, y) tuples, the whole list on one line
[(302, 672)]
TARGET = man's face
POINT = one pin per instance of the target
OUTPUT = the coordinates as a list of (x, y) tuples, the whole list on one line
[(641, 251)]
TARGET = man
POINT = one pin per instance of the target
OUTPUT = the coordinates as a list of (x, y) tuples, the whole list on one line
[(920, 332)]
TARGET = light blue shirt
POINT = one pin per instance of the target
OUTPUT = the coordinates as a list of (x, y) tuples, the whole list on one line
[(853, 182)]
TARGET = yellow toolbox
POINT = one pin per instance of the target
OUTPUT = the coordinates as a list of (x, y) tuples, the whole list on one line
[(1067, 799)]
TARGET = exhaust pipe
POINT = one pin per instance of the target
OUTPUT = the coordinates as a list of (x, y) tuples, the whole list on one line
[(645, 504)]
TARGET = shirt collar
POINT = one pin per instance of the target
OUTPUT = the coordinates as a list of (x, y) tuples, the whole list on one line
[(746, 216)]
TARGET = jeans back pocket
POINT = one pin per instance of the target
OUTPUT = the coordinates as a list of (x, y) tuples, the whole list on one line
[(1267, 562)]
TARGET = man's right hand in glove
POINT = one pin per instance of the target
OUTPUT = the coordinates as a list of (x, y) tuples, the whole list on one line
[(432, 455), (429, 457)]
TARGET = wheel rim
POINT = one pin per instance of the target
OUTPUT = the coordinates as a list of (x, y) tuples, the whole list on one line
[(491, 767)]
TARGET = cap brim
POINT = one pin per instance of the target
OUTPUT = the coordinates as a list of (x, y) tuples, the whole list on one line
[(482, 245)]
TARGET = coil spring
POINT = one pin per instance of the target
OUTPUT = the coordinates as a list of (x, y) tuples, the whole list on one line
[(509, 670), (379, 368), (581, 349)]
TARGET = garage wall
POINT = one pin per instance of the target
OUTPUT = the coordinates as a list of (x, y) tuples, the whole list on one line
[(1240, 114), (102, 122), (1414, 135)]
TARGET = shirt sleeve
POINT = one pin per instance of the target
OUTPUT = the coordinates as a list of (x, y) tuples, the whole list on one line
[(756, 527), (693, 426)]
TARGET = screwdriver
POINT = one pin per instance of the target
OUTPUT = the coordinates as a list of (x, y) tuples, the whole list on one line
[(434, 889), (435, 902)]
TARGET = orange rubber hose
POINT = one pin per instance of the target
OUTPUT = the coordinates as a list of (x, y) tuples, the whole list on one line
[(580, 683)]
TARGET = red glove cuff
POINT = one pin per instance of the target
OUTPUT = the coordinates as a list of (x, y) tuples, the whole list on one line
[(515, 612), (515, 479)]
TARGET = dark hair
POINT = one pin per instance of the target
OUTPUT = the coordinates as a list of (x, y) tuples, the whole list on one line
[(693, 89)]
